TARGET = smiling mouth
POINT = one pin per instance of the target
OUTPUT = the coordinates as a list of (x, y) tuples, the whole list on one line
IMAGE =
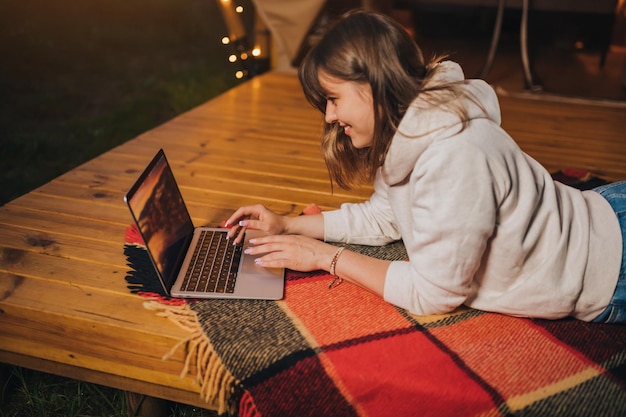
[(347, 129)]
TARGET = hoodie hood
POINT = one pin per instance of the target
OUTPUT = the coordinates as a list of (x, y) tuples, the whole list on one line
[(424, 123)]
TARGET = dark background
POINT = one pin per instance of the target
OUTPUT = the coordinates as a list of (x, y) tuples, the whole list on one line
[(78, 77)]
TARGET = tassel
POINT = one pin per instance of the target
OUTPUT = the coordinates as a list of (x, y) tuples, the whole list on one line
[(215, 380)]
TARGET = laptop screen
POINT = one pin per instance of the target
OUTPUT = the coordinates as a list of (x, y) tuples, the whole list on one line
[(157, 205)]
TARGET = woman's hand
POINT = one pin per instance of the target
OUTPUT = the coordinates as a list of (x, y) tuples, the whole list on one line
[(303, 253), (296, 252), (256, 217)]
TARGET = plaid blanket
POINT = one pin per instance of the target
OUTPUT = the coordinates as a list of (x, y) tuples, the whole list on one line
[(346, 352)]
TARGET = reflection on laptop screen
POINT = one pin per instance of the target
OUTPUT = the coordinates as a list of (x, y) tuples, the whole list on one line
[(163, 219)]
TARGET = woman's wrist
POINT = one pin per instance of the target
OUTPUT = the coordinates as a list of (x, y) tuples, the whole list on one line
[(287, 227), (325, 256), (291, 225), (311, 225)]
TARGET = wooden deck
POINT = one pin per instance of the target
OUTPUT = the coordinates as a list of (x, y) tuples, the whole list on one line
[(64, 305)]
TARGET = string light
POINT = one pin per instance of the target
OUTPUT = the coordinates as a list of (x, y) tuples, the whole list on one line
[(252, 59)]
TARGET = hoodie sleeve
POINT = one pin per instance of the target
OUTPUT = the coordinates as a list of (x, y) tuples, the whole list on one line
[(368, 223)]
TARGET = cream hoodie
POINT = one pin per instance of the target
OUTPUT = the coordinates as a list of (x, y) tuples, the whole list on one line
[(483, 223)]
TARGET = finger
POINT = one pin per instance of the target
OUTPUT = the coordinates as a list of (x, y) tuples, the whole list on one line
[(257, 249), (235, 217), (268, 263), (242, 213), (273, 260), (264, 245), (268, 239), (233, 231), (239, 230), (254, 224), (240, 235)]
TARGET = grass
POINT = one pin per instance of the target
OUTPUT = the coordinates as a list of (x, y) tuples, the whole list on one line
[(27, 393), (36, 394), (78, 78)]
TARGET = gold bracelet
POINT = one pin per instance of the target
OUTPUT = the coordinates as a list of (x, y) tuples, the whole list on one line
[(333, 264)]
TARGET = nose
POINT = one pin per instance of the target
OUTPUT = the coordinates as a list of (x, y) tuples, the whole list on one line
[(330, 116)]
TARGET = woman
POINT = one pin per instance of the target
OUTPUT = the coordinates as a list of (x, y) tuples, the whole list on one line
[(483, 223)]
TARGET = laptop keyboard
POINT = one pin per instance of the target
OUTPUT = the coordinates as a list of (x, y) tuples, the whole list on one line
[(214, 264)]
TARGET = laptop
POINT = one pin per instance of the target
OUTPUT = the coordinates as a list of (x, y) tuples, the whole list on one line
[(194, 262)]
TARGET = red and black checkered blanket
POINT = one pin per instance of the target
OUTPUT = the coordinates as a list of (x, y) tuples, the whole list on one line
[(346, 352)]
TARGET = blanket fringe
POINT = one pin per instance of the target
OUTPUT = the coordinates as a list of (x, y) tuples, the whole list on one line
[(215, 381)]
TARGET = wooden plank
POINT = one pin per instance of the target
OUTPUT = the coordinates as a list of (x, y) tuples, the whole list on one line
[(57, 322), (217, 178), (56, 269), (67, 245), (100, 173), (565, 135), (225, 194)]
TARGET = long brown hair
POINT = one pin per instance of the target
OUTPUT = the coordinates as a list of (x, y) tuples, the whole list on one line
[(364, 46)]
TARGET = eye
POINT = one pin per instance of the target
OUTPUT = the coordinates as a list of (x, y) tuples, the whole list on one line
[(331, 99)]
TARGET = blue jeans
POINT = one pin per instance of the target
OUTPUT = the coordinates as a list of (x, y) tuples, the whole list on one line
[(615, 194)]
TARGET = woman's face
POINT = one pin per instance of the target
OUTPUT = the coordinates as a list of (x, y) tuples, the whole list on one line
[(349, 104)]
